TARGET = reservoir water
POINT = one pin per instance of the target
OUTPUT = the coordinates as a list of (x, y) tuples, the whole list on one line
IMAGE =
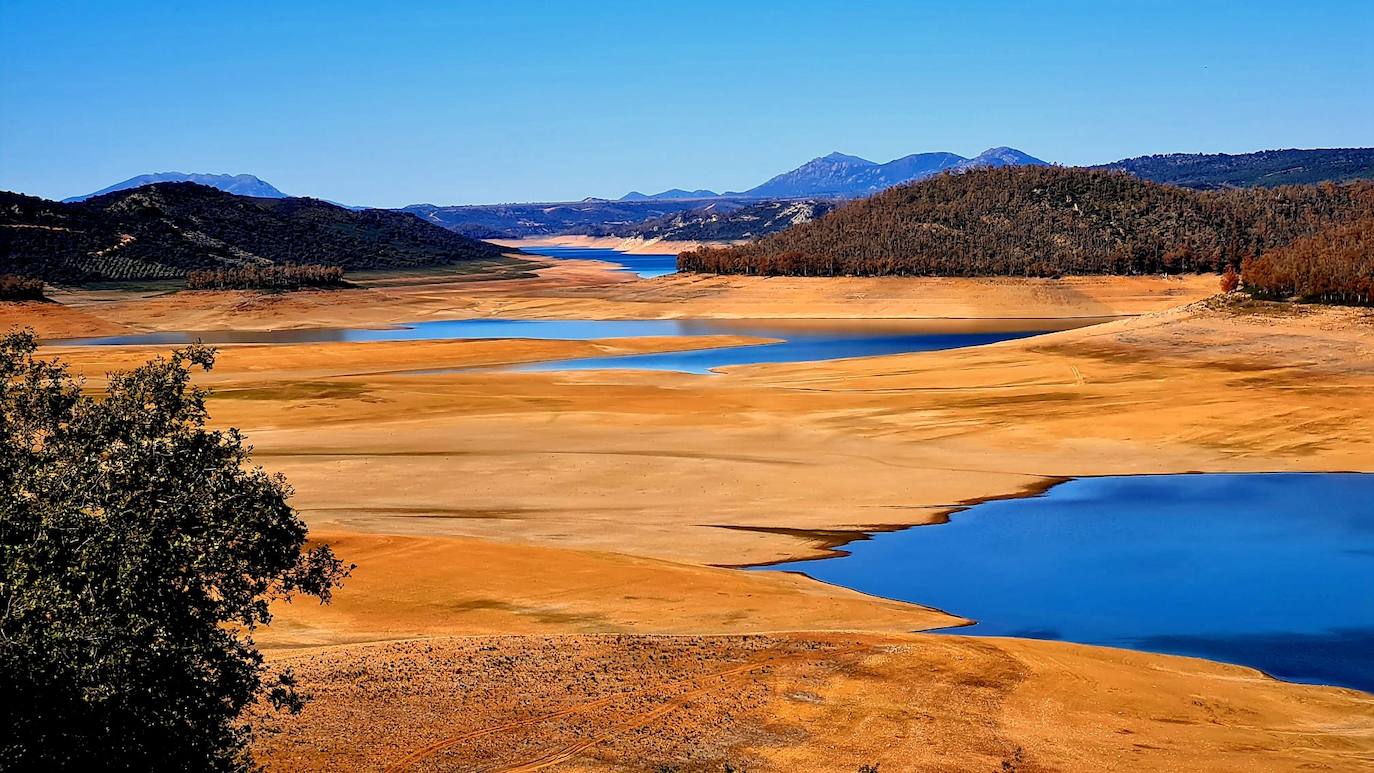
[(800, 341), (645, 266), (799, 344), (1274, 571)]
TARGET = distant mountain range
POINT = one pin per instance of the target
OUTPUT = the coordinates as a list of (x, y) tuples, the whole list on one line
[(680, 214), (838, 175), (671, 193), (238, 184), (513, 221), (1267, 168), (166, 229)]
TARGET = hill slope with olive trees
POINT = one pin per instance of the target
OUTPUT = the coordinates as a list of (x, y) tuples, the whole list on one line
[(169, 229)]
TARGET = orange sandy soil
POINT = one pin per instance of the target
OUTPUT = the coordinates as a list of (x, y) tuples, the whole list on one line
[(589, 506), (801, 702)]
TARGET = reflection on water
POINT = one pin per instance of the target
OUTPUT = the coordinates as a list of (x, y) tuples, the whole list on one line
[(801, 340), (1274, 571), (645, 266)]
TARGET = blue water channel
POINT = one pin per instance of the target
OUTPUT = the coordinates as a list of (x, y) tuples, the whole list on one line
[(644, 266), (813, 340)]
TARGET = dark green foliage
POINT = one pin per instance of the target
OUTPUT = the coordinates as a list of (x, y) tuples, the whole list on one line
[(137, 554), (1267, 168), (1335, 265), (288, 277), (20, 288), (168, 229), (1040, 221)]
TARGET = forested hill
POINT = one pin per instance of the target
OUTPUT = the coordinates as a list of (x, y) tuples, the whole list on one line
[(165, 230), (1040, 221), (1267, 168)]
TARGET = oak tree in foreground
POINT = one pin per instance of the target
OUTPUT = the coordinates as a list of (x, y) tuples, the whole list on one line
[(138, 552)]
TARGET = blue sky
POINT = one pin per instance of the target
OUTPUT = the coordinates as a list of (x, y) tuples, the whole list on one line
[(461, 102)]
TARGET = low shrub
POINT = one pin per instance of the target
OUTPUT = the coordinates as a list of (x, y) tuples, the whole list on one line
[(20, 288), (1230, 280)]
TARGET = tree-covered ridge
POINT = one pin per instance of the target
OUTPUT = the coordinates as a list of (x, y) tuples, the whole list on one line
[(168, 229), (1266, 168), (1040, 221)]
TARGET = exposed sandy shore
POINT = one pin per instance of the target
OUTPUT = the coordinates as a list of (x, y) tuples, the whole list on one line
[(396, 592), (487, 502), (650, 463), (587, 290)]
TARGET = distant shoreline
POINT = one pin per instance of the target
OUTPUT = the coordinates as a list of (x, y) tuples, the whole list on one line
[(631, 246)]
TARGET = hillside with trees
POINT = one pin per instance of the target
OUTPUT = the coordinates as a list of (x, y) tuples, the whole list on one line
[(1266, 168), (1041, 221), (1334, 265), (169, 229)]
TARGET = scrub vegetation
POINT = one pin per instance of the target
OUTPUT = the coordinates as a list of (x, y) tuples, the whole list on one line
[(288, 277), (20, 288)]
